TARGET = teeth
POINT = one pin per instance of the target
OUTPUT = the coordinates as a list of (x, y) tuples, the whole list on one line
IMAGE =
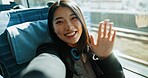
[(70, 34)]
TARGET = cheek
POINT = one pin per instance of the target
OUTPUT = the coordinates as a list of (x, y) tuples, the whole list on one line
[(79, 26), (57, 30)]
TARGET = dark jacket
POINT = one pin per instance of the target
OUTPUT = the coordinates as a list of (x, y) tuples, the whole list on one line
[(109, 68)]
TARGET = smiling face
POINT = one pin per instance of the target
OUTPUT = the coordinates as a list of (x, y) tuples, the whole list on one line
[(67, 26)]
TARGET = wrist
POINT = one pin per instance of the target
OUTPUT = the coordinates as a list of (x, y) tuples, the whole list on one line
[(96, 57)]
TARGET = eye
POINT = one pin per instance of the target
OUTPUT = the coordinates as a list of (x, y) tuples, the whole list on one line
[(74, 18), (59, 22)]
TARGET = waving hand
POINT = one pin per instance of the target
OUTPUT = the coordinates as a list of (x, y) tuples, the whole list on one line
[(105, 40)]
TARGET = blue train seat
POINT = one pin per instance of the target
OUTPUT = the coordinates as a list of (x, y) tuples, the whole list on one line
[(8, 63)]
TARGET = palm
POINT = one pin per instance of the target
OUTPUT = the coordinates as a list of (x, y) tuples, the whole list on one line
[(104, 45)]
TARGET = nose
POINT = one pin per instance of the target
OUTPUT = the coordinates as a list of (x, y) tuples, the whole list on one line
[(68, 26)]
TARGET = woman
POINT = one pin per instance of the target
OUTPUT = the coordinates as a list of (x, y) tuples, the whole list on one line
[(82, 57)]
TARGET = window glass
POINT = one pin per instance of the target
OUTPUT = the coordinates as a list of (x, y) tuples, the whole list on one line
[(130, 19), (6, 1), (38, 3)]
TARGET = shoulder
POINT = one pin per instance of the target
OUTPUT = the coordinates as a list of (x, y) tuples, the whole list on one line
[(47, 48)]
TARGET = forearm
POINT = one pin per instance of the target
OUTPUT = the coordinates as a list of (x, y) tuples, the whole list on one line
[(45, 66)]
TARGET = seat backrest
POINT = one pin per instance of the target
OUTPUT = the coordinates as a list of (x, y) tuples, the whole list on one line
[(7, 60)]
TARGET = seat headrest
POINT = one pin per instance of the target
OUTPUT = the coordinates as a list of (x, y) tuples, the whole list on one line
[(26, 37)]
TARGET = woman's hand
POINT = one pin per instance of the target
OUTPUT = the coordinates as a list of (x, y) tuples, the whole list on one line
[(105, 40)]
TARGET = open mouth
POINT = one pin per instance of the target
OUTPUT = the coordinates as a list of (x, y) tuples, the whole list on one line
[(71, 34)]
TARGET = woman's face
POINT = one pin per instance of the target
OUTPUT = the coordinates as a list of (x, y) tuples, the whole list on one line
[(67, 25)]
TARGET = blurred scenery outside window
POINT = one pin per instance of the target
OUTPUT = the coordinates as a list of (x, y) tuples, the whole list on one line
[(130, 19)]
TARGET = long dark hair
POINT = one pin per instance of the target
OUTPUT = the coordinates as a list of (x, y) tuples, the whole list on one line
[(63, 48)]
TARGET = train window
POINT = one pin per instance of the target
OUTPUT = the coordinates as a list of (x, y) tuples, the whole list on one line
[(130, 19), (38, 3), (6, 1)]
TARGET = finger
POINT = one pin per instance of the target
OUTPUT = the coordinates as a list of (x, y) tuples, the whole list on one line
[(92, 40), (100, 31), (114, 35), (104, 33), (105, 27), (110, 30)]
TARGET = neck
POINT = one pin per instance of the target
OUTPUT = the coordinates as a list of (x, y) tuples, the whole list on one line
[(72, 45)]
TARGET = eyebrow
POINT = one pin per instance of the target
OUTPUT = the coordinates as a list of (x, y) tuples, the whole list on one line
[(72, 14), (58, 18), (62, 17)]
